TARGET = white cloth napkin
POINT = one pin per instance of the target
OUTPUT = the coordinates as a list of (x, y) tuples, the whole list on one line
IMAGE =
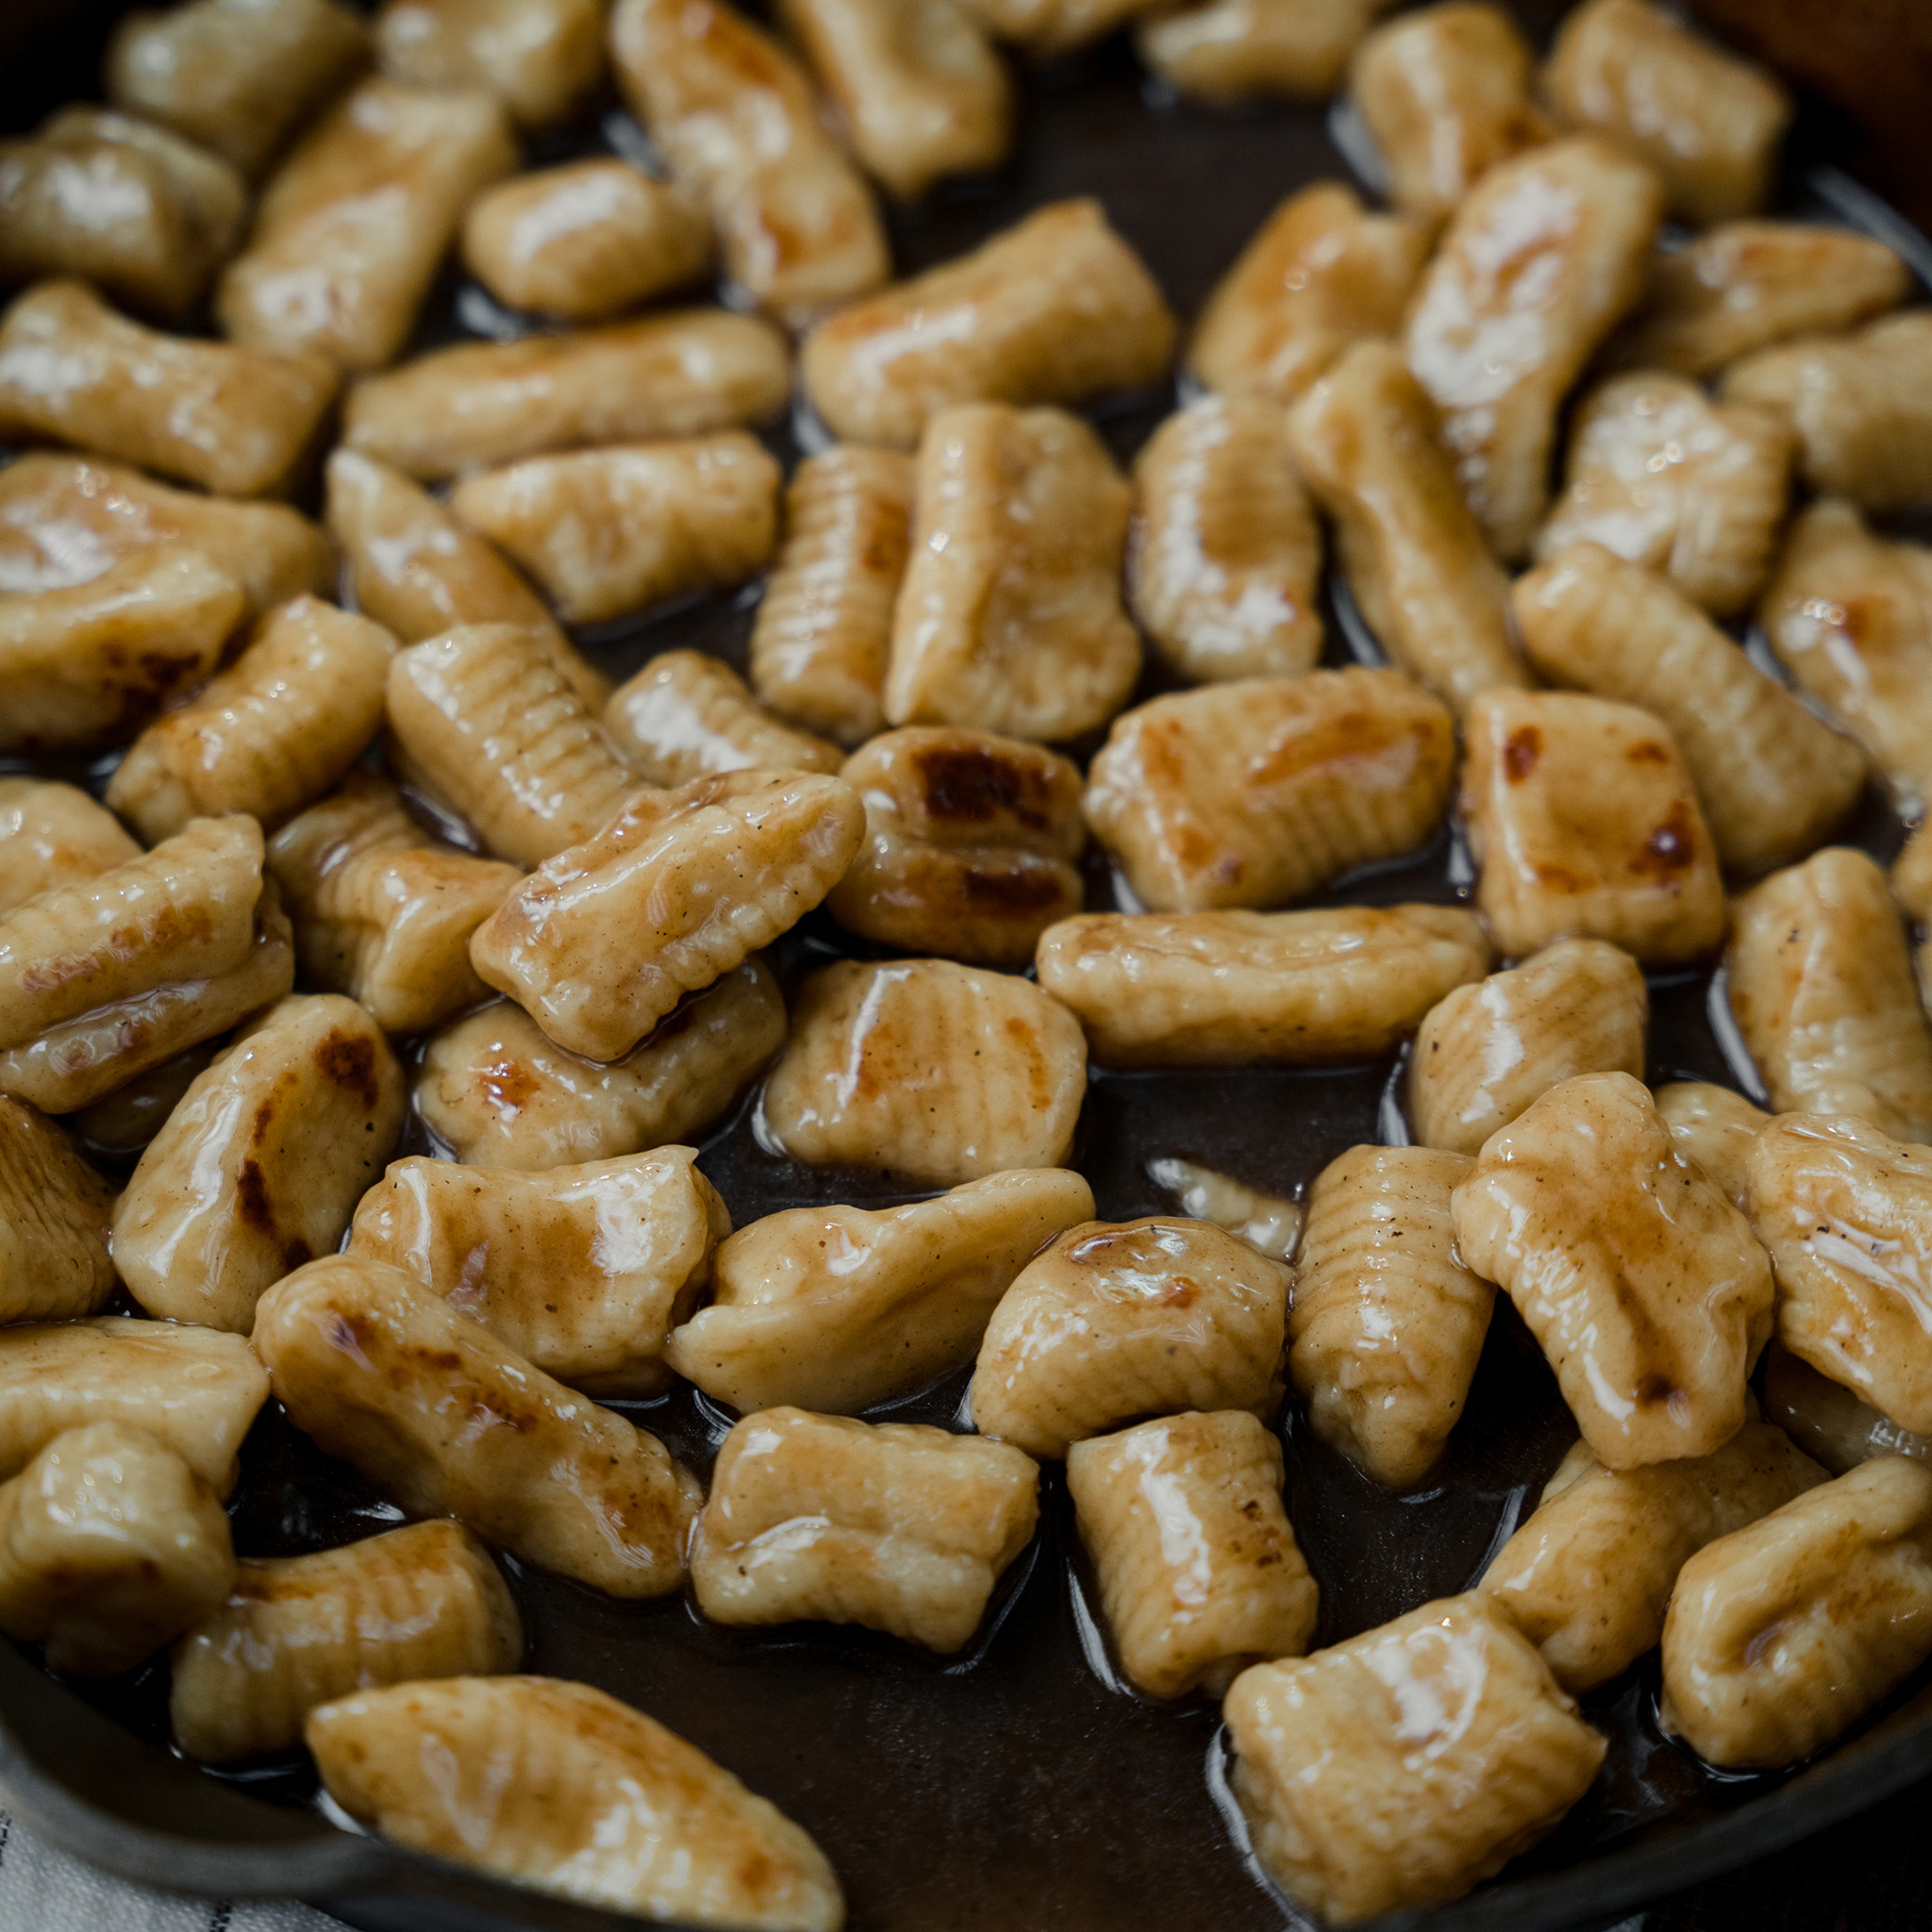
[(44, 1891)]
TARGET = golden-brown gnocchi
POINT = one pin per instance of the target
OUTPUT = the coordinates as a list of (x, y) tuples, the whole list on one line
[(898, 1527), (421, 1602), (499, 1094), (739, 124), (1009, 617), (268, 735), (539, 57), (1846, 1213), (1398, 1769), (110, 1545), (380, 912), (601, 942), (1056, 309), (52, 836), (1223, 553), (260, 1166), (1540, 262), (1117, 1320), (350, 231), (1585, 823), (451, 1421), (55, 1214), (1367, 440), (686, 716), (1241, 50), (482, 403), (840, 1308), (1587, 1578), (537, 1761), (195, 1390), (586, 241), (970, 844), (1484, 1052), (921, 1067), (1243, 988), (1820, 985), (1261, 790), (1445, 95), (1690, 489), (1849, 615), (1384, 1323), (824, 632), (608, 531), (234, 419), (1772, 780), (585, 1270), (1782, 1634), (1199, 1571), (1321, 274), (1709, 123), (1045, 29), (1634, 1272), (1713, 1128)]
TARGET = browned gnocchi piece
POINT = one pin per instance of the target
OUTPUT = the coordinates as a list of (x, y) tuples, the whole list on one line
[(486, 722), (970, 844), (110, 1545), (1772, 780), (380, 912), (1713, 1128), (1540, 261), (1242, 989), (686, 716), (451, 1421), (897, 1526), (234, 418), (1446, 94), (1056, 309), (498, 1092), (53, 835), (1818, 981), (1588, 1578), (66, 521), (737, 121), (1199, 1571), (1486, 1051), (539, 57), (1635, 1273), (1321, 274), (603, 939), (259, 1167), (421, 1602), (608, 531), (840, 1308), (268, 735), (585, 1270), (1849, 615), (1746, 285), (55, 1215), (1707, 121), (1664, 477), (540, 1759), (1117, 1320), (1009, 617), (1783, 1633), (1585, 823), (236, 76), (586, 241), (1223, 553), (1243, 50), (483, 402), (1367, 440), (1400, 1768), (824, 632), (1385, 1322), (1259, 791), (921, 1067), (1045, 29)]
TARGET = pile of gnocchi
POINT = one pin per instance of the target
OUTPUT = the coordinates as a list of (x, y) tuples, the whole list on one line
[(322, 836)]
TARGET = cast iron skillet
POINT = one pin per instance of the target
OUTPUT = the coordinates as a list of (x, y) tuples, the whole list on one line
[(1015, 1786)]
